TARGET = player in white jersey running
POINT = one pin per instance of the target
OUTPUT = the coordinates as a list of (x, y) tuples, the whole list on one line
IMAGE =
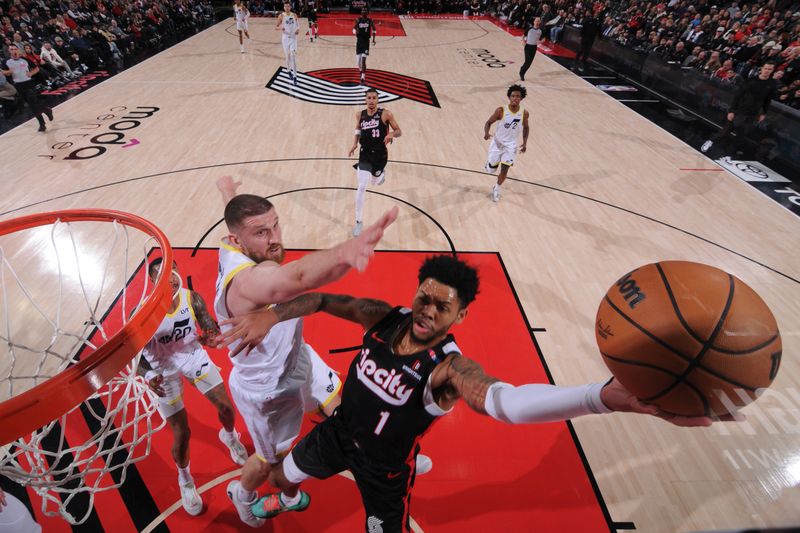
[(503, 147), (241, 14), (274, 382), (290, 26), (174, 351)]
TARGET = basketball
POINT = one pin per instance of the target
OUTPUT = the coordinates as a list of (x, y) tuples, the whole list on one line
[(689, 338)]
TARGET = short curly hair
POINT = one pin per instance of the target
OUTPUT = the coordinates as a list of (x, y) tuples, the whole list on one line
[(522, 91), (452, 272)]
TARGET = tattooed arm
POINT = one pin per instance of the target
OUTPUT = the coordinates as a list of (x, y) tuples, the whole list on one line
[(208, 326), (460, 377), (251, 328)]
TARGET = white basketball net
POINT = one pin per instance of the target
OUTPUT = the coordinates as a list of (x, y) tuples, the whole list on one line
[(46, 325)]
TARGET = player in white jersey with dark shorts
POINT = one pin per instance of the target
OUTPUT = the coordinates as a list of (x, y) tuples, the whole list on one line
[(276, 381), (290, 26), (241, 14), (503, 147), (174, 351)]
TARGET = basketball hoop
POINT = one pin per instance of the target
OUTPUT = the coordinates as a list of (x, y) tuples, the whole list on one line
[(69, 362)]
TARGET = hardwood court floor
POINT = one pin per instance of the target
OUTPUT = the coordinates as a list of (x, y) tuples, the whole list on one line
[(598, 193)]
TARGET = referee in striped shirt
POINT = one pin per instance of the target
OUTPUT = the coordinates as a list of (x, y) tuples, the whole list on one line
[(531, 39)]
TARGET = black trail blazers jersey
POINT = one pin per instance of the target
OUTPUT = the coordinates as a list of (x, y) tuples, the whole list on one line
[(384, 405), (373, 130), (364, 28)]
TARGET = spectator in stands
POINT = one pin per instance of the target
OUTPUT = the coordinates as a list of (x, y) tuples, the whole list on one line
[(725, 73), (8, 97), (84, 49), (713, 64), (50, 56)]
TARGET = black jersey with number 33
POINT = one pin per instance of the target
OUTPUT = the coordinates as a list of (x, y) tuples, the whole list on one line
[(373, 130), (383, 401)]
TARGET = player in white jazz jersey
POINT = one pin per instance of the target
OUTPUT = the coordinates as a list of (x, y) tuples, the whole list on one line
[(174, 351), (503, 147), (241, 14), (290, 26), (274, 382)]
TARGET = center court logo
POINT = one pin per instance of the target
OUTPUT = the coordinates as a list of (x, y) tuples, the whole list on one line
[(340, 86)]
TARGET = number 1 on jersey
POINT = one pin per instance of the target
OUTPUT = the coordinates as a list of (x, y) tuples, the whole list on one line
[(382, 422)]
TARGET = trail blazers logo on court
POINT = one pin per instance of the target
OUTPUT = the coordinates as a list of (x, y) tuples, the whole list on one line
[(340, 86)]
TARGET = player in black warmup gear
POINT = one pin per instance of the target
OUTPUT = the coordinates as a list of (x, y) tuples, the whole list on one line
[(408, 373), (372, 132), (364, 29), (313, 26)]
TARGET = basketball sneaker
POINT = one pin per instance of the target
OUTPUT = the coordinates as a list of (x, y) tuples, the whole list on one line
[(241, 48), (243, 508), (379, 179), (495, 193), (424, 464), (357, 228), (191, 499), (272, 505), (707, 146), (235, 446)]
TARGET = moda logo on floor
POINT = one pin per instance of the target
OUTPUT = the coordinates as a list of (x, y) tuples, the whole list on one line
[(115, 127), (478, 57)]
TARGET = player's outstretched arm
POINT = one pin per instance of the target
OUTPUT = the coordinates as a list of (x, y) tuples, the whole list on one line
[(251, 328), (268, 283), (525, 131), (356, 134), (227, 187), (497, 115), (538, 402)]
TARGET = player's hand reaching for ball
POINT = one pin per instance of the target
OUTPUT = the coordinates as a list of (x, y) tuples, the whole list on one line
[(249, 329), (618, 398), (358, 251), (228, 186)]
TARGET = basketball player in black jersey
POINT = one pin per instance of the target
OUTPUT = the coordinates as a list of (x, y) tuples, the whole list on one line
[(313, 26), (372, 132), (408, 373), (363, 29)]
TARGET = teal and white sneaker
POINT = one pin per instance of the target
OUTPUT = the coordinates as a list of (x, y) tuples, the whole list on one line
[(272, 505)]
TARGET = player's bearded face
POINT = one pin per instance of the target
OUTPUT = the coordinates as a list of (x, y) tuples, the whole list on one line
[(435, 309), (260, 238)]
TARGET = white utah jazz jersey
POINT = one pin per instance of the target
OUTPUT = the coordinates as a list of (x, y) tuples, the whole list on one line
[(175, 337), (509, 127), (261, 370), (289, 24), (240, 12)]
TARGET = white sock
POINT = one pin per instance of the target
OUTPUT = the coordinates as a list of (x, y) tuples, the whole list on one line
[(184, 476), (287, 501), (246, 495), (363, 179)]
